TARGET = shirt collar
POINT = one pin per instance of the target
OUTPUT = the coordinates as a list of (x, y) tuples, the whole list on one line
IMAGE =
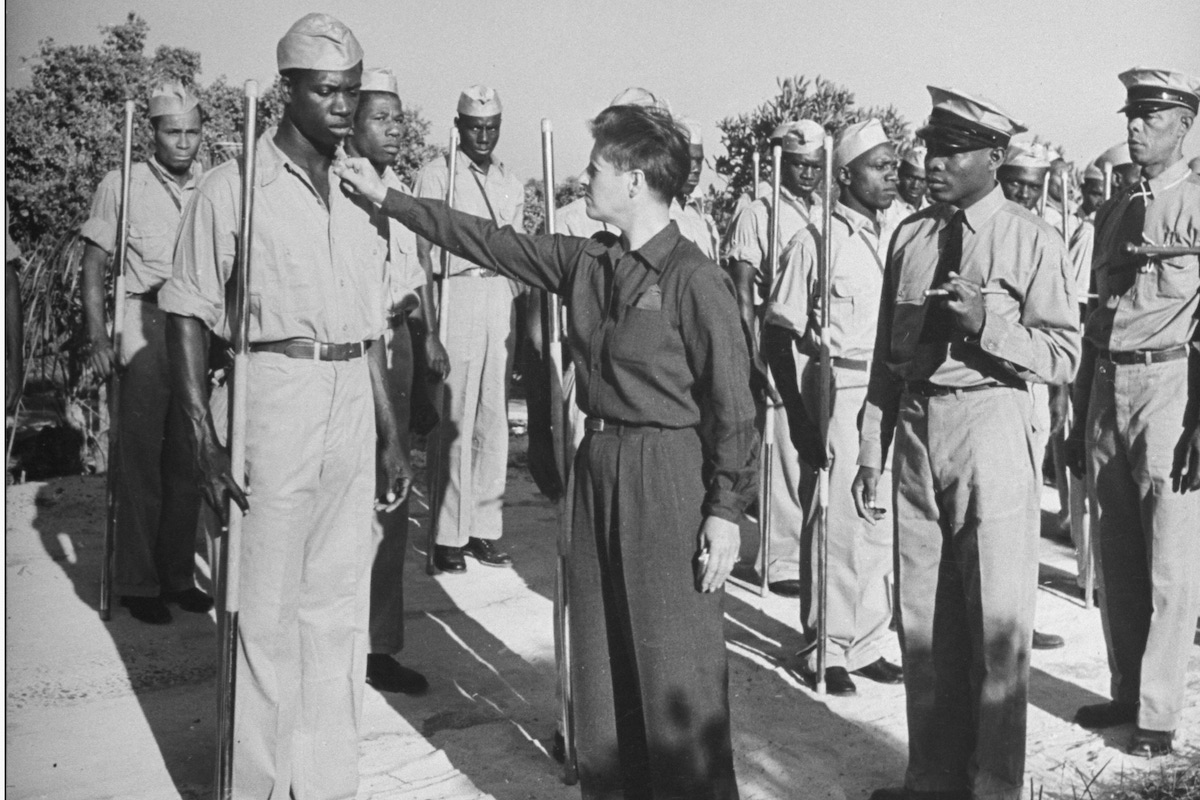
[(466, 161), (653, 253), (169, 179), (983, 210), (1170, 177), (272, 162), (853, 219)]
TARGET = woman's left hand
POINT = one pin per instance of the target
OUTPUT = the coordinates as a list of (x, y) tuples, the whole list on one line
[(721, 540)]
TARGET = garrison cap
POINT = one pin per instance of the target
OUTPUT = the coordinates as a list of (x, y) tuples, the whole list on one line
[(318, 41), (637, 96), (915, 158), (1117, 155), (479, 101), (379, 79), (857, 139), (692, 128), (962, 122), (1149, 89), (1027, 155), (171, 98), (800, 136), (1094, 172)]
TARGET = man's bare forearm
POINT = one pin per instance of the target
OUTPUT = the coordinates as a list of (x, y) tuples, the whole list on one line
[(187, 354), (91, 281)]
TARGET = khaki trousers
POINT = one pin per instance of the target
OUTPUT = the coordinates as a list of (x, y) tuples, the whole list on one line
[(787, 477), (1148, 547), (473, 435), (859, 554), (966, 504), (158, 497), (305, 561)]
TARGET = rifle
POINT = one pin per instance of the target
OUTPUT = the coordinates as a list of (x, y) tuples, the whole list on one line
[(1161, 250), (767, 450), (227, 549), (825, 387), (434, 459), (114, 379), (560, 423), (756, 161)]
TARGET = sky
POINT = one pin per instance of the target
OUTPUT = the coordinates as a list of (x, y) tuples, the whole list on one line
[(1052, 64)]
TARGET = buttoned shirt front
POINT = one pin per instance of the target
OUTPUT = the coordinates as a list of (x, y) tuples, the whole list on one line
[(859, 247), (655, 333), (495, 194), (695, 225), (404, 273), (750, 234), (1031, 324), (1148, 304), (316, 270), (156, 202)]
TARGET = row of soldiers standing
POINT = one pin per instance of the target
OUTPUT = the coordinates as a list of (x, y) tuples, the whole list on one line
[(941, 316)]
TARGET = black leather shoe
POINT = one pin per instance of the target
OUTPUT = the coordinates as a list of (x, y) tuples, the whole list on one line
[(151, 610), (487, 552), (1151, 744), (388, 675), (1106, 715), (838, 683), (449, 559), (882, 671), (788, 588), (192, 600), (1047, 641)]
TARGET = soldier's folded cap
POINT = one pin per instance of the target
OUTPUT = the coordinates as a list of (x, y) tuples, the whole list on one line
[(171, 98), (963, 122), (637, 96), (915, 158), (318, 41), (380, 79), (1027, 155), (857, 139), (1094, 172), (801, 136), (1117, 155), (1148, 89), (479, 101), (692, 128)]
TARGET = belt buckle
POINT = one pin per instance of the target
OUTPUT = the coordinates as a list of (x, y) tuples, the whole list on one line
[(593, 424), (1147, 357)]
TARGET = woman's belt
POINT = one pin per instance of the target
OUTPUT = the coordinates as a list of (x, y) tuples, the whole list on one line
[(313, 350)]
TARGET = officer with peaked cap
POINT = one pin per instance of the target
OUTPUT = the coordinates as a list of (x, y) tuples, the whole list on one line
[(1138, 430), (975, 305), (748, 250), (859, 555), (157, 497), (687, 210), (378, 128), (480, 342), (318, 258)]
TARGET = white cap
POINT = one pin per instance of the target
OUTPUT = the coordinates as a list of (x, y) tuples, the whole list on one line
[(800, 136), (318, 41), (637, 96), (1027, 155), (479, 101), (170, 98), (692, 128), (857, 139), (1117, 155), (379, 79), (915, 158)]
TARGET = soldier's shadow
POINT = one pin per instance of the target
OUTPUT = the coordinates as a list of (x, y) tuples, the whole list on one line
[(170, 669)]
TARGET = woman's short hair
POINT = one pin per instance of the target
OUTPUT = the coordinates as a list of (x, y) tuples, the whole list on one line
[(647, 139)]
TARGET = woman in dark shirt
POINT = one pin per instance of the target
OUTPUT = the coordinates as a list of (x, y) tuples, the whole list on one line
[(657, 344)]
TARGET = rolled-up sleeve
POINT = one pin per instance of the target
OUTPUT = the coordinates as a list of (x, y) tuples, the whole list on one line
[(712, 334), (100, 228), (204, 254), (744, 242), (789, 306)]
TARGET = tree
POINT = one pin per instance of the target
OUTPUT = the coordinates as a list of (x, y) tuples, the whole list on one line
[(820, 100)]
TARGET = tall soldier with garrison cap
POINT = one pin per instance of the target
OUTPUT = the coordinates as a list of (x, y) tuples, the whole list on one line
[(976, 304), (158, 500), (1138, 430), (316, 281)]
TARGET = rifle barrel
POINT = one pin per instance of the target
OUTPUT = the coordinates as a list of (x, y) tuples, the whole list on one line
[(1161, 250)]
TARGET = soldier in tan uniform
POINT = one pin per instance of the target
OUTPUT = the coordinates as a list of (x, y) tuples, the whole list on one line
[(688, 210), (1138, 430), (157, 499)]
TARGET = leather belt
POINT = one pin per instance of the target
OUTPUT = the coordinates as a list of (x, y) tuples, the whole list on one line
[(146, 297), (597, 425), (313, 350), (1125, 357), (927, 389), (855, 364)]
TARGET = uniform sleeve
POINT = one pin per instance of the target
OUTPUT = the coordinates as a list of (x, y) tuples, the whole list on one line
[(1082, 242), (789, 306), (884, 386), (1043, 346), (545, 262), (743, 237), (101, 226), (720, 361), (431, 181), (204, 256)]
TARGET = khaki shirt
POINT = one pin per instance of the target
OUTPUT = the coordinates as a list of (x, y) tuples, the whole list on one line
[(1148, 304), (1080, 248), (859, 251), (156, 203), (316, 271), (404, 273), (1031, 328), (750, 234), (572, 219), (495, 195), (695, 225)]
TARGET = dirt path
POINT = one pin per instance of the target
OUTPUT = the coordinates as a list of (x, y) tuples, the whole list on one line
[(124, 710)]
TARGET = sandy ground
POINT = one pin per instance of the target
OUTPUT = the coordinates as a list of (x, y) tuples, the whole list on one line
[(125, 710)]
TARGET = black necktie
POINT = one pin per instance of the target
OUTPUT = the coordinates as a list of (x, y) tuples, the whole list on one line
[(939, 321)]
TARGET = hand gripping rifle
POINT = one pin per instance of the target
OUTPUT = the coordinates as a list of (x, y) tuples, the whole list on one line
[(825, 407), (114, 379), (433, 443), (560, 423), (228, 548)]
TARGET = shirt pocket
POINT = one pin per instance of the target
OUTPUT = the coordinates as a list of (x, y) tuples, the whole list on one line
[(1179, 277), (844, 290), (286, 286), (643, 336), (154, 244)]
